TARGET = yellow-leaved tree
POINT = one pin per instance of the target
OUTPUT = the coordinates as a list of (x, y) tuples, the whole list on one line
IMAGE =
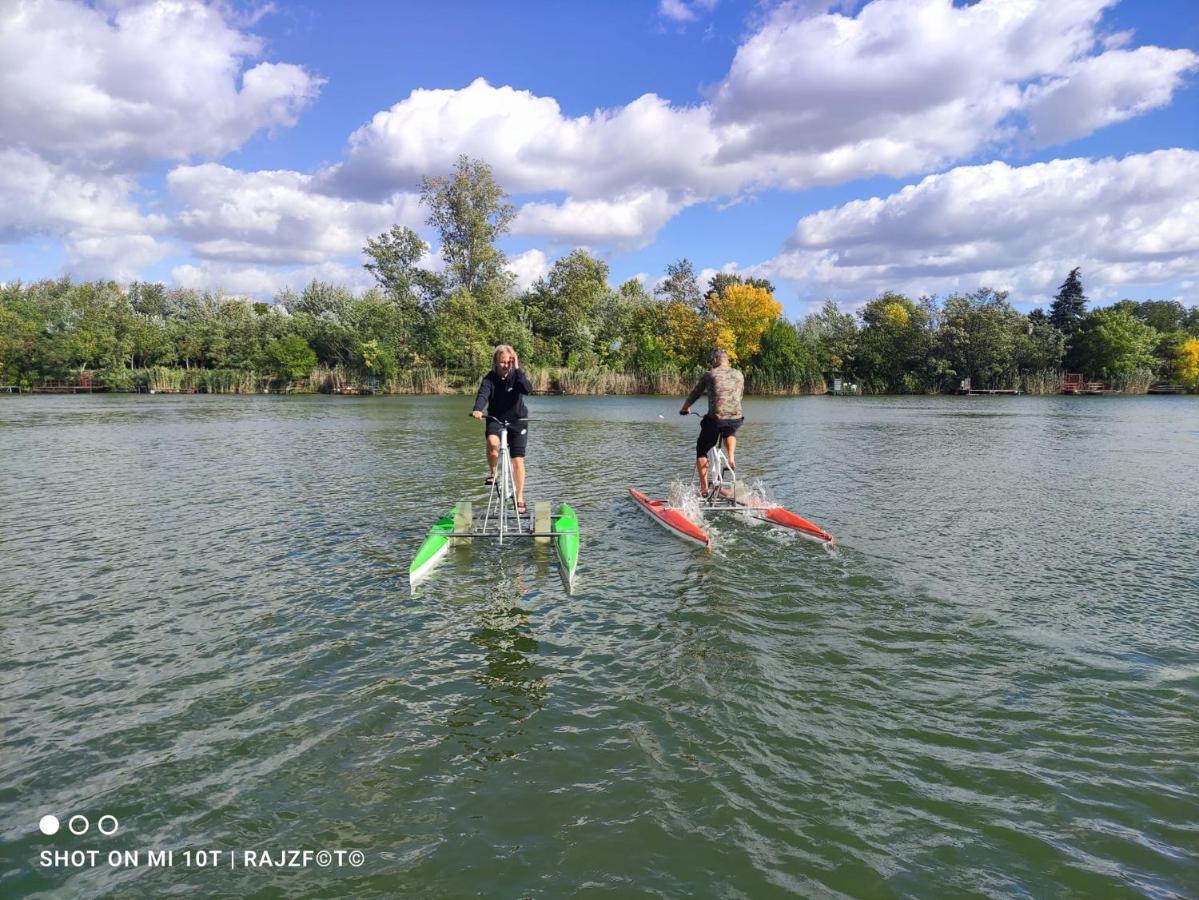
[(1186, 363), (742, 313)]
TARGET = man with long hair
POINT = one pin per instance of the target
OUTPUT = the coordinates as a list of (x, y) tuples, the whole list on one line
[(502, 394)]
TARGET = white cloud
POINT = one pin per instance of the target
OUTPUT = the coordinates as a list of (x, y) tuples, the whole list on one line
[(528, 267), (148, 80), (1104, 90), (261, 283), (684, 10), (276, 217), (628, 222), (812, 97), (705, 275), (105, 233), (1133, 220)]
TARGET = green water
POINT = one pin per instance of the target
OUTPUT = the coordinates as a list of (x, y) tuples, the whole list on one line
[(988, 689)]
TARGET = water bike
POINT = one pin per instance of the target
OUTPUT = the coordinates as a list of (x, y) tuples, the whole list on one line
[(502, 521), (726, 494)]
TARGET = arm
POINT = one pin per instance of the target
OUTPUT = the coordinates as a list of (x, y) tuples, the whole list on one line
[(522, 381), (695, 394), (482, 398)]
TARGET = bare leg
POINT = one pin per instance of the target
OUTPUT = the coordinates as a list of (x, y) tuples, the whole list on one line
[(518, 475), (493, 452), (701, 466), (730, 444)]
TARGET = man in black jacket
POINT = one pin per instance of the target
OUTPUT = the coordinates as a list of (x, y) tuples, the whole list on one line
[(502, 393)]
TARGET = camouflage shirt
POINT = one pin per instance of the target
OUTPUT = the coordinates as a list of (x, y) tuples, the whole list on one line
[(724, 386)]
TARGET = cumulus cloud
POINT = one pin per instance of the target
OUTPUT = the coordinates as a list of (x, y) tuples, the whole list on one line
[(627, 222), (1106, 89), (276, 216), (812, 97), (528, 267), (104, 231), (529, 144), (1131, 220), (149, 80), (262, 283)]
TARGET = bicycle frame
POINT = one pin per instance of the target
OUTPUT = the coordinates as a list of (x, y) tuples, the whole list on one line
[(719, 487), (503, 488)]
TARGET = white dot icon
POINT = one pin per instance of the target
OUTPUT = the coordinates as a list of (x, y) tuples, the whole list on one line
[(48, 825)]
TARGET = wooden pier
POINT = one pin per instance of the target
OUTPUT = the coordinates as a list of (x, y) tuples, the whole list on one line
[(965, 389)]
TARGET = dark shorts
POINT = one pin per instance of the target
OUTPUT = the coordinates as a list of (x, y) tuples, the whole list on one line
[(518, 436), (711, 430)]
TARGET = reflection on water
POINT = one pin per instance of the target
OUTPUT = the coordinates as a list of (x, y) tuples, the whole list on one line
[(989, 689)]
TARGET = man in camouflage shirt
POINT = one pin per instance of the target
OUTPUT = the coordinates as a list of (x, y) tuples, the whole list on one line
[(724, 386)]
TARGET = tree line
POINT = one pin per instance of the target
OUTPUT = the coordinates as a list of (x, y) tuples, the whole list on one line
[(424, 327)]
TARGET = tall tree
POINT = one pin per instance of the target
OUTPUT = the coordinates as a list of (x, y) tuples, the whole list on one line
[(1070, 304), (1111, 343), (746, 311), (680, 286), (470, 212), (832, 336), (394, 257), (979, 335)]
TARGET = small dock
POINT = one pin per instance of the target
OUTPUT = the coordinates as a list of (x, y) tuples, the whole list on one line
[(966, 389), (10, 389)]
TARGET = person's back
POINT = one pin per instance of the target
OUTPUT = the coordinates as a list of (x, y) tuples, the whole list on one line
[(724, 387)]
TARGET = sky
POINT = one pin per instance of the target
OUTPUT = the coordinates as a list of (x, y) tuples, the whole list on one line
[(840, 150)]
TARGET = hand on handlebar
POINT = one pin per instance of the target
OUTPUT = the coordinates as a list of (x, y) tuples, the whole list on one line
[(686, 410), (478, 413)]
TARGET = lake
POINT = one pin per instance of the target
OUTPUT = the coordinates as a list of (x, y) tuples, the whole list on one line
[(990, 687)]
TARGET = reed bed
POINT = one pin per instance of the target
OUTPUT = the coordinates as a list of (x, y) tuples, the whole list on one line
[(765, 385), (1042, 382), (1137, 382), (418, 380)]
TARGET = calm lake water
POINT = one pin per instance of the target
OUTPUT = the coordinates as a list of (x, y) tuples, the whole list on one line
[(990, 688)]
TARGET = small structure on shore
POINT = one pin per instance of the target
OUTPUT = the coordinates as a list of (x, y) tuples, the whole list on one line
[(84, 383), (1073, 383), (844, 388), (965, 389)]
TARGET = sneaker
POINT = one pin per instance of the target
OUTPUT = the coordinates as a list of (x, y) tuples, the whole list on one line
[(489, 481)]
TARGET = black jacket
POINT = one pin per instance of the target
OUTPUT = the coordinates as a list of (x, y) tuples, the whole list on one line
[(503, 398)]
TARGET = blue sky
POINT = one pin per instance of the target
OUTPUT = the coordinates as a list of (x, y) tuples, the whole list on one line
[(839, 149)]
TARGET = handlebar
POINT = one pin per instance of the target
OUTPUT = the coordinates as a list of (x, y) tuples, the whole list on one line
[(499, 421)]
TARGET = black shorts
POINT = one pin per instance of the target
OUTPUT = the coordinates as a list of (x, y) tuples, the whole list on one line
[(518, 436), (711, 430)]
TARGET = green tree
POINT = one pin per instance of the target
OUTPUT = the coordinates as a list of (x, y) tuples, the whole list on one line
[(564, 307), (1069, 305), (680, 286), (470, 212), (832, 337), (1040, 347), (979, 335), (394, 256), (289, 358), (784, 358), (1111, 343), (894, 345)]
